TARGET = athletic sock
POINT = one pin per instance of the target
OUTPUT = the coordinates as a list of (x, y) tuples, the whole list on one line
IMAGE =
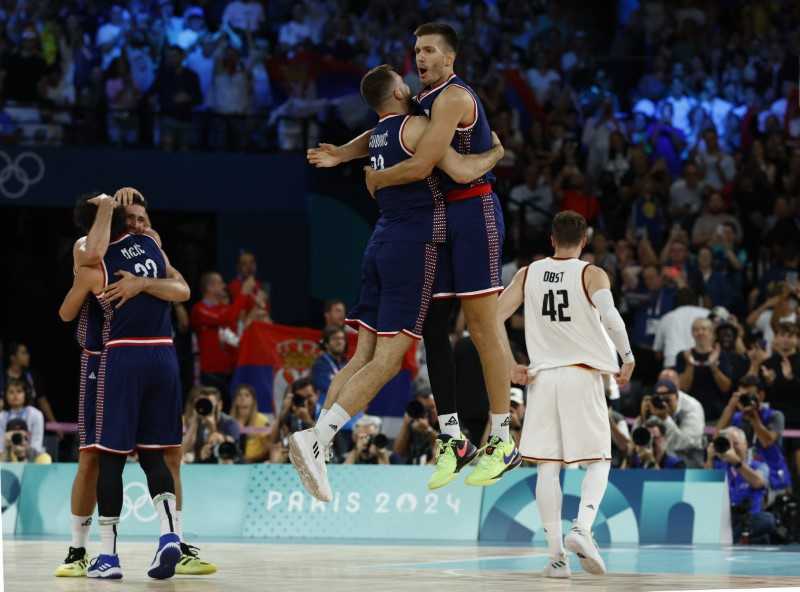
[(165, 505), (81, 525), (178, 524), (500, 423), (322, 413), (108, 534), (448, 424), (334, 421), (548, 500), (592, 489)]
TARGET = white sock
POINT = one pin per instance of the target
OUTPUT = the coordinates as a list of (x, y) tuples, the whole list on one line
[(593, 487), (548, 500), (165, 505), (108, 534), (500, 423), (81, 525), (448, 424), (334, 421), (178, 524), (322, 413)]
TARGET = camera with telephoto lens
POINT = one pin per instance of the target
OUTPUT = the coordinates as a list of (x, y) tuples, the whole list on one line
[(659, 401), (641, 436), (380, 440), (225, 451), (17, 439), (415, 409), (747, 399), (204, 406), (298, 401), (721, 445)]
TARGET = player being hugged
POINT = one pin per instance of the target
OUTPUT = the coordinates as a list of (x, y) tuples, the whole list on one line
[(569, 318)]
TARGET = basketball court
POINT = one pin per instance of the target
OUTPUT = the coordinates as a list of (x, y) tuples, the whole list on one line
[(29, 564)]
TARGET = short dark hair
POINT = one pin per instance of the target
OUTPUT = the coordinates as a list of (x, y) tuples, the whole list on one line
[(302, 383), (376, 85), (205, 279), (685, 297), (786, 327), (329, 304), (445, 31), (569, 228), (330, 332), (84, 213)]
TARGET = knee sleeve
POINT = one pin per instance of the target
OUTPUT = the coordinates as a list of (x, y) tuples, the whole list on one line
[(439, 353), (159, 477), (109, 484)]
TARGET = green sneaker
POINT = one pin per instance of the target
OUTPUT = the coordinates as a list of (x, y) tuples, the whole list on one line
[(498, 458), (452, 455)]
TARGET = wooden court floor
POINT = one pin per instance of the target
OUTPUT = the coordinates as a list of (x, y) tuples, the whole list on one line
[(285, 567)]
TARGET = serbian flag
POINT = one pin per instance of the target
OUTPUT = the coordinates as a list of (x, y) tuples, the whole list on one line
[(272, 356)]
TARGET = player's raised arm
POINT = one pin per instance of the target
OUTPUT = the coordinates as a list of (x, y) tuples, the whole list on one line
[(86, 280), (328, 155), (599, 289), (448, 110), (90, 250), (172, 288)]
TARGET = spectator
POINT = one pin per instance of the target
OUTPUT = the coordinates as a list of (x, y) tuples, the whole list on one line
[(534, 200), (215, 324), (415, 441), (678, 265), (17, 445), (334, 313), (682, 416), (123, 96), (685, 194), (244, 15), (762, 427), (674, 333), (23, 70), (245, 412), (297, 413), (178, 90), (620, 436), (330, 361), (110, 38), (247, 267), (666, 140), (201, 61), (18, 366), (194, 27), (650, 449), (211, 436), (295, 32), (542, 76), (716, 167), (232, 87), (714, 285), (781, 372), (17, 404), (728, 337), (369, 444), (747, 486), (705, 370), (709, 226)]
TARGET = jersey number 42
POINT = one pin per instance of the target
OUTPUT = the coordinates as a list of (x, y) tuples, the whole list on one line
[(556, 312)]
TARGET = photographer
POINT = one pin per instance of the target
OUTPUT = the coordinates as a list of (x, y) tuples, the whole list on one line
[(683, 419), (415, 441), (18, 403), (18, 447), (211, 435), (296, 414), (747, 485), (649, 448), (370, 444), (762, 426)]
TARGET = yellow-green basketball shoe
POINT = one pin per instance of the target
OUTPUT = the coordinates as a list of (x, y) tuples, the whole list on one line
[(498, 458), (452, 455), (75, 565), (191, 565)]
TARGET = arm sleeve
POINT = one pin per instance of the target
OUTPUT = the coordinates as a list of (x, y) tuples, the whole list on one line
[(613, 323)]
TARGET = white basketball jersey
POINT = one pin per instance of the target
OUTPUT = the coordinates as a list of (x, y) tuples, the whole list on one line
[(562, 326)]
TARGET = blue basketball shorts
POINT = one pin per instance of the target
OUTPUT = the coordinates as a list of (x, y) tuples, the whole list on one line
[(138, 398), (87, 400), (471, 265), (396, 287)]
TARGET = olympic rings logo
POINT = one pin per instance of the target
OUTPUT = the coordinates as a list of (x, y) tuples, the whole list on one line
[(133, 506), (25, 176)]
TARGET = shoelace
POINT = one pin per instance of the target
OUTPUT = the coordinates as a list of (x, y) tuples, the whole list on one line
[(72, 556), (190, 550)]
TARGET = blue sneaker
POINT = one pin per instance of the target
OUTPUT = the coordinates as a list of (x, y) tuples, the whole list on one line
[(105, 567), (167, 556)]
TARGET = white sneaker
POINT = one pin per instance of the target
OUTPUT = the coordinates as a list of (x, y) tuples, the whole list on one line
[(308, 455), (557, 567), (580, 542)]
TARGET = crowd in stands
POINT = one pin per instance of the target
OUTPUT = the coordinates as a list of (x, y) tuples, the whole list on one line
[(679, 142)]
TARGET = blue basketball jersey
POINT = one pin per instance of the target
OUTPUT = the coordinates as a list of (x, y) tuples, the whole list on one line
[(89, 331), (413, 212), (143, 316), (474, 138)]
